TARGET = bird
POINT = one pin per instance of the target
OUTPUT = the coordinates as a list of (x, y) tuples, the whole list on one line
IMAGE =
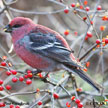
[(44, 49)]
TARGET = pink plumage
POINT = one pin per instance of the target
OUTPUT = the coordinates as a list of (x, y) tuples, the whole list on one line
[(43, 48)]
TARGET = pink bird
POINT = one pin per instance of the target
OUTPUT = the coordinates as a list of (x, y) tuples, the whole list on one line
[(44, 49)]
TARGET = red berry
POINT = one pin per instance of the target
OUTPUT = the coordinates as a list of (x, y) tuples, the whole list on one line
[(102, 28), (68, 105), (104, 18), (29, 71), (1, 82), (1, 88), (40, 75), (80, 105), (73, 97), (77, 101), (8, 73), (66, 11), (106, 41), (17, 106), (80, 89), (8, 87), (37, 89), (84, 18), (81, 7), (99, 7), (91, 22), (14, 72), (98, 41), (106, 100), (3, 63), (2, 104), (75, 33), (11, 106), (66, 32), (21, 78), (87, 8), (85, 2), (56, 96), (73, 4), (86, 38), (87, 65), (14, 79), (89, 34), (28, 81), (30, 75), (26, 76), (4, 57), (39, 103)]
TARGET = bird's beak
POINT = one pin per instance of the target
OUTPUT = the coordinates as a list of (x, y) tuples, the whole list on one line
[(8, 28)]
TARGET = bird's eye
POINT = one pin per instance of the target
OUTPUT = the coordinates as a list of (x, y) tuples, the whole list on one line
[(17, 25)]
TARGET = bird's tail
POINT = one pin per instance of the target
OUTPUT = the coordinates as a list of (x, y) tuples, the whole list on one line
[(87, 78)]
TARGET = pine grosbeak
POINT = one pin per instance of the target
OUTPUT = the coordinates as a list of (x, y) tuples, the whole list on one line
[(43, 48)]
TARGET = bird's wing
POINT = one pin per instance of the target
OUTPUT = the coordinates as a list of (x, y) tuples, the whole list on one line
[(46, 44)]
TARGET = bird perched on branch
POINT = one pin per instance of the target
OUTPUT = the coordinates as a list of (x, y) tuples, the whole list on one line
[(44, 49)]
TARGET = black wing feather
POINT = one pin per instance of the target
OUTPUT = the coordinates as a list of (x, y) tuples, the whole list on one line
[(47, 45)]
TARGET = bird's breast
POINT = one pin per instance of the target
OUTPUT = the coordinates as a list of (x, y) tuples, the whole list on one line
[(34, 60)]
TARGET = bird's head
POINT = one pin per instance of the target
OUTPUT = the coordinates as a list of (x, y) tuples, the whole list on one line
[(17, 23)]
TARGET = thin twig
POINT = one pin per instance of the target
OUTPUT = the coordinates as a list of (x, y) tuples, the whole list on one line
[(88, 51)]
